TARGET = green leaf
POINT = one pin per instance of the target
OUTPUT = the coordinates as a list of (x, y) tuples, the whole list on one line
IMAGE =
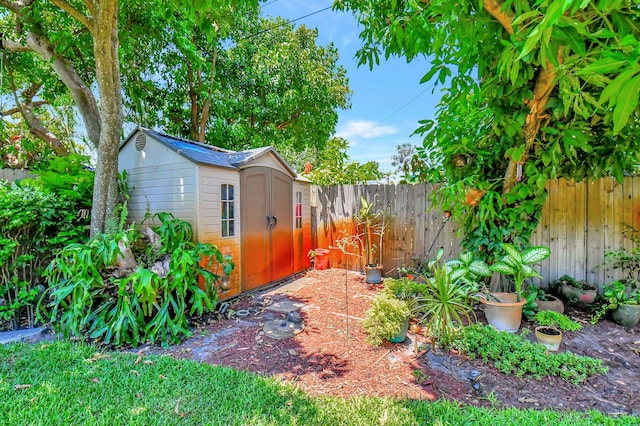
[(613, 89), (530, 44), (603, 66), (527, 16), (512, 251), (577, 44), (516, 153), (502, 268), (554, 12), (627, 103), (479, 267), (535, 254)]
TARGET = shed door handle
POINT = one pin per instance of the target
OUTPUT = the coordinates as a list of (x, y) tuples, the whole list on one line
[(268, 222), (275, 221)]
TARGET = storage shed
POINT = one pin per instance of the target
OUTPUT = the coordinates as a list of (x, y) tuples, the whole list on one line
[(251, 204)]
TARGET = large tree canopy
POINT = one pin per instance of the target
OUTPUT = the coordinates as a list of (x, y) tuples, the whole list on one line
[(79, 41), (536, 90), (266, 83), (215, 73), (334, 167)]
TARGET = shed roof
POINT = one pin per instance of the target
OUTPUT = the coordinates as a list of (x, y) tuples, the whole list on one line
[(201, 153)]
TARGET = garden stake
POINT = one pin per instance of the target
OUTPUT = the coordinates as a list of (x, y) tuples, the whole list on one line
[(445, 219), (346, 297)]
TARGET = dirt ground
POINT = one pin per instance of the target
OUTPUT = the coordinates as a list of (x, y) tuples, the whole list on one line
[(330, 356)]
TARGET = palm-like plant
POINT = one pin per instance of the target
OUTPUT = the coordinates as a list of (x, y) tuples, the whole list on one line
[(518, 264), (447, 298)]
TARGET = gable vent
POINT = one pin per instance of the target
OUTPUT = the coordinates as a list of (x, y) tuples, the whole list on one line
[(141, 141)]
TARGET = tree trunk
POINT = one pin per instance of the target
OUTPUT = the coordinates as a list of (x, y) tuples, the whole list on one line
[(544, 84), (105, 48), (204, 117)]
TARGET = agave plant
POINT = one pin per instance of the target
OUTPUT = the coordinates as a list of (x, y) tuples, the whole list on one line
[(518, 264)]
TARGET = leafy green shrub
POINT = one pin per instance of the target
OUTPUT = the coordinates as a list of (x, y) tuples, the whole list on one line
[(556, 319), (627, 260), (35, 222), (511, 354), (404, 288), (615, 293), (518, 264), (69, 177), (385, 317), (90, 296)]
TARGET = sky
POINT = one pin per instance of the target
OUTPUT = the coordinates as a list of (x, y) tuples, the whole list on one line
[(386, 103)]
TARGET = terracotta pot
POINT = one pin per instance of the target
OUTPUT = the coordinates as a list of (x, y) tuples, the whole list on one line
[(550, 337), (373, 274), (574, 294), (551, 304), (625, 315), (505, 315)]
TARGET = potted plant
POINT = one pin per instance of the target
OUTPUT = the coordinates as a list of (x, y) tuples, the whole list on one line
[(547, 302), (366, 243), (550, 328), (386, 319), (228, 265), (504, 310), (576, 291), (623, 303)]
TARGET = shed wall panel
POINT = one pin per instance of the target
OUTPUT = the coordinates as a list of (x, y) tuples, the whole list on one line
[(302, 236), (210, 220), (160, 187)]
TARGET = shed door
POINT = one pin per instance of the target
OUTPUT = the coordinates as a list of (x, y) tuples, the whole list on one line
[(267, 226)]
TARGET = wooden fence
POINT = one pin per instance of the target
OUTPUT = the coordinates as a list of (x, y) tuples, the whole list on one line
[(580, 222), (414, 230), (14, 174)]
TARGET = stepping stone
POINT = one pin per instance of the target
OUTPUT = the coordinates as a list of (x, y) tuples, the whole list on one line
[(7, 337), (282, 329), (284, 305)]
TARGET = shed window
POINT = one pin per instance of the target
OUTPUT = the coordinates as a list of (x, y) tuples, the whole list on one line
[(298, 210), (227, 207)]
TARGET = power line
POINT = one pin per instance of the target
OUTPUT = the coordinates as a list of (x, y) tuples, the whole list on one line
[(286, 22), (397, 110), (290, 21)]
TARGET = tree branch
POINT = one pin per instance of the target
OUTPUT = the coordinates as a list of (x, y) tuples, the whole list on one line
[(193, 97), (494, 7), (290, 120), (207, 103), (91, 7), (15, 7), (35, 124), (15, 46), (81, 92), (545, 83), (75, 13), (16, 110)]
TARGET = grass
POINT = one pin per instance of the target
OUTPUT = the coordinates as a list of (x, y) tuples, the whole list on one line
[(72, 383)]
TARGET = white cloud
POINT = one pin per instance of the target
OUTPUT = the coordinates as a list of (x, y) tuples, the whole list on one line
[(365, 129)]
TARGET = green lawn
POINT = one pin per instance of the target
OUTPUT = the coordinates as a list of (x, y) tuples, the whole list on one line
[(67, 384)]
